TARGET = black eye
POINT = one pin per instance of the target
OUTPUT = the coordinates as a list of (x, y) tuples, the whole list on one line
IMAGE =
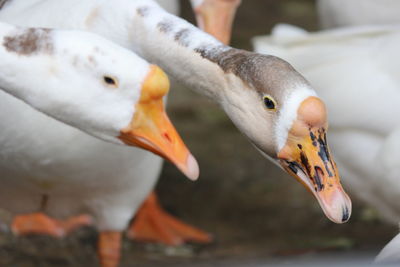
[(269, 103), (110, 81)]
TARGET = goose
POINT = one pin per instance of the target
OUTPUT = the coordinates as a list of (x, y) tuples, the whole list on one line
[(339, 13), (269, 101), (93, 85), (363, 131), (167, 229), (216, 16)]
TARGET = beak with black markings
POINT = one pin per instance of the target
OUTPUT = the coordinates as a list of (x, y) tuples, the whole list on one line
[(307, 157)]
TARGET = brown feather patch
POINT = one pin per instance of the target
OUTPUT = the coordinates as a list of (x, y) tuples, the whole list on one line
[(265, 73), (30, 41)]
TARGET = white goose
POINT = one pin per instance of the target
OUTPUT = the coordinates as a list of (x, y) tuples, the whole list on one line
[(287, 123), (217, 17), (95, 86), (357, 73), (341, 13)]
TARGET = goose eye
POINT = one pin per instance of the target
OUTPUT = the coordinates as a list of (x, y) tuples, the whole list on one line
[(269, 103), (110, 81)]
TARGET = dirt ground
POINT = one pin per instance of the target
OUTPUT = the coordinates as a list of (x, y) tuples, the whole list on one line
[(258, 215)]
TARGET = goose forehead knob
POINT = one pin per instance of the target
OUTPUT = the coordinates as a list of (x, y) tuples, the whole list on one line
[(156, 84), (312, 111)]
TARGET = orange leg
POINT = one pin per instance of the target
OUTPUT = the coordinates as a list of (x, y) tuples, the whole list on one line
[(153, 224), (216, 17), (109, 248), (39, 223)]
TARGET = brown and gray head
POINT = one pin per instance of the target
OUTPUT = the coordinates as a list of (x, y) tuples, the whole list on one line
[(277, 109)]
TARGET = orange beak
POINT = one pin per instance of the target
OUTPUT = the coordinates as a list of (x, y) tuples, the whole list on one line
[(151, 128), (216, 17), (307, 157)]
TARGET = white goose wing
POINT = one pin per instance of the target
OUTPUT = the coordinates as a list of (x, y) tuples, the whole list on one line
[(391, 252)]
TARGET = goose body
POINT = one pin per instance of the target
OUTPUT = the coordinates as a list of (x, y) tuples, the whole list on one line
[(48, 70), (390, 253), (356, 71)]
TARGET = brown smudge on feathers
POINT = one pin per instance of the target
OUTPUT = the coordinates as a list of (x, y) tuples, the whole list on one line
[(30, 41)]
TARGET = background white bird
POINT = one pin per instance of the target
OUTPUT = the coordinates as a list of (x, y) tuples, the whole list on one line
[(356, 71)]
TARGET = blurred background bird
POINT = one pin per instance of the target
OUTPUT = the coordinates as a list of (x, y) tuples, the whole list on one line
[(356, 70)]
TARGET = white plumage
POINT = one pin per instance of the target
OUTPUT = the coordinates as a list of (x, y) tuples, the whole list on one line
[(390, 253), (63, 74), (357, 72)]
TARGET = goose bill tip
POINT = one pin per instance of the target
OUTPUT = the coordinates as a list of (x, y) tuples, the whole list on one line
[(191, 168), (337, 207)]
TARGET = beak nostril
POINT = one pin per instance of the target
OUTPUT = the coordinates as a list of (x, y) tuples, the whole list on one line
[(319, 173), (166, 136)]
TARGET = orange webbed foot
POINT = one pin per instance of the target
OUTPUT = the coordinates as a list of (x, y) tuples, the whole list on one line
[(153, 224), (41, 224)]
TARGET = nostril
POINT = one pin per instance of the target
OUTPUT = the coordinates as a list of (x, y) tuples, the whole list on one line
[(166, 136), (319, 173)]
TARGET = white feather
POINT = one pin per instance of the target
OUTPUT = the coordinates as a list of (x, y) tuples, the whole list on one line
[(357, 72)]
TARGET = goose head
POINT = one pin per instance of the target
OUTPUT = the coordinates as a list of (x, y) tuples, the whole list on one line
[(277, 109), (94, 85)]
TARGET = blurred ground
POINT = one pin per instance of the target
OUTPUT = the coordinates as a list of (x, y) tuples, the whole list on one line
[(258, 215)]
